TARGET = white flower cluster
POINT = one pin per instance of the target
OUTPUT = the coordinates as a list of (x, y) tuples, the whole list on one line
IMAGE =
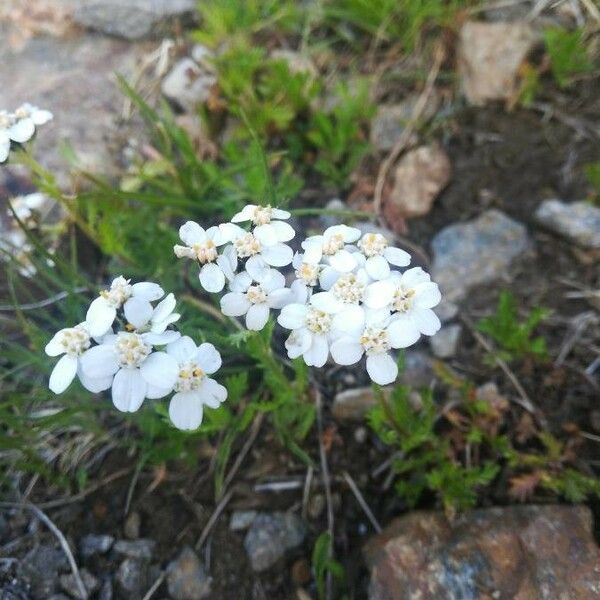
[(115, 347), (346, 299), (19, 126)]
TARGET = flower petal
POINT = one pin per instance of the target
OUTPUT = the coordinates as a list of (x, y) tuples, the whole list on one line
[(278, 255), (208, 358), (278, 213), (63, 373), (343, 261), (292, 316), (41, 117), (377, 267), (245, 214), (137, 311), (235, 304), (402, 332), (147, 290), (346, 351), (298, 342), (182, 350), (380, 294), (154, 393), (241, 282), (160, 339), (54, 347), (4, 145), (284, 231), (412, 277), (326, 302), (273, 281), (426, 321), (185, 410), (427, 295), (382, 368), (94, 385), (128, 390), (257, 317), (212, 278), (316, 355), (191, 233), (213, 393), (22, 130), (265, 234), (99, 362), (160, 370), (350, 321), (397, 257), (280, 297), (313, 249), (100, 317)]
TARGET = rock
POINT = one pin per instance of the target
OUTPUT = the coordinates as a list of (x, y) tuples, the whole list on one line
[(129, 19), (418, 370), (69, 585), (51, 73), (297, 62), (579, 222), (477, 252), (92, 544), (186, 577), (389, 121), (270, 536), (106, 591), (517, 552), (489, 58), (446, 310), (242, 519), (419, 177), (131, 529), (142, 549), (354, 404), (40, 569), (132, 578), (188, 84), (445, 342)]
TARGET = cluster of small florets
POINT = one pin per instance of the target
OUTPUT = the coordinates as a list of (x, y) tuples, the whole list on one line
[(19, 126), (126, 344), (346, 299)]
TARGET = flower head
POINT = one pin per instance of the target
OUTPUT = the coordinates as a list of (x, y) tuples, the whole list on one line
[(20, 126), (379, 255), (331, 248), (269, 227)]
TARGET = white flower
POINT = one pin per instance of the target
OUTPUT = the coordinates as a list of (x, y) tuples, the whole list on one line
[(25, 207), (260, 256), (376, 340), (314, 328), (255, 299), (137, 370), (37, 116), (154, 320), (379, 255), (201, 245), (331, 247), (135, 299), (193, 388), (19, 126), (409, 296), (348, 290), (267, 230)]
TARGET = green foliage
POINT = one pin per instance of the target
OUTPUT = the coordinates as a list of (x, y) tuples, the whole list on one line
[(514, 337), (568, 54), (592, 172), (323, 564)]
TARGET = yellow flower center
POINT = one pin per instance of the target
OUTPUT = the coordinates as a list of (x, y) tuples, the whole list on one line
[(190, 377), (403, 299), (348, 289), (131, 349), (308, 273), (247, 245), (119, 292), (262, 215), (372, 244), (75, 340), (318, 321), (375, 340), (256, 295), (333, 244)]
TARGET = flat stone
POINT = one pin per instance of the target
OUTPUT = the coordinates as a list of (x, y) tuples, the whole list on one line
[(390, 120), (579, 222), (270, 536), (469, 254), (40, 570), (242, 519), (445, 342), (354, 404), (142, 549), (129, 19), (419, 177), (517, 552), (188, 84), (489, 58), (93, 544), (69, 585), (186, 577), (132, 578)]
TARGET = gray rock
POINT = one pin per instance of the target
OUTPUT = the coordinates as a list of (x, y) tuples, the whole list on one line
[(188, 84), (142, 549), (242, 519), (132, 578), (354, 404), (40, 569), (477, 252), (579, 222), (418, 370), (131, 529), (446, 310), (490, 55), (69, 585), (130, 19), (186, 577), (12, 591), (54, 597), (93, 544), (270, 536), (445, 342), (390, 120)]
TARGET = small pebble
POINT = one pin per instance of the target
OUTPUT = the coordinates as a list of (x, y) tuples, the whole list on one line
[(141, 549), (132, 526), (92, 544)]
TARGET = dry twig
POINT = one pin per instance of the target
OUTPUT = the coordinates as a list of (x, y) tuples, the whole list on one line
[(363, 504)]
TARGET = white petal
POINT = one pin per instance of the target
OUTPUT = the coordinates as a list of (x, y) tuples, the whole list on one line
[(278, 255), (351, 234), (343, 261), (427, 295), (154, 393), (328, 277), (298, 342), (234, 304), (22, 130), (160, 370), (54, 347), (241, 282), (246, 214), (99, 362), (128, 390), (164, 308), (41, 117), (377, 267), (94, 385), (346, 351), (212, 278), (160, 339), (326, 302), (402, 332), (63, 373), (316, 355), (147, 290), (382, 368), (257, 268), (183, 349), (265, 234), (137, 311), (427, 322), (313, 250), (100, 317), (213, 393), (284, 231), (257, 317), (350, 321), (278, 213), (412, 277), (379, 294), (4, 145), (191, 233), (227, 262), (185, 410), (230, 232), (216, 235), (273, 281), (280, 298), (292, 316), (299, 292), (208, 358), (397, 257)]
